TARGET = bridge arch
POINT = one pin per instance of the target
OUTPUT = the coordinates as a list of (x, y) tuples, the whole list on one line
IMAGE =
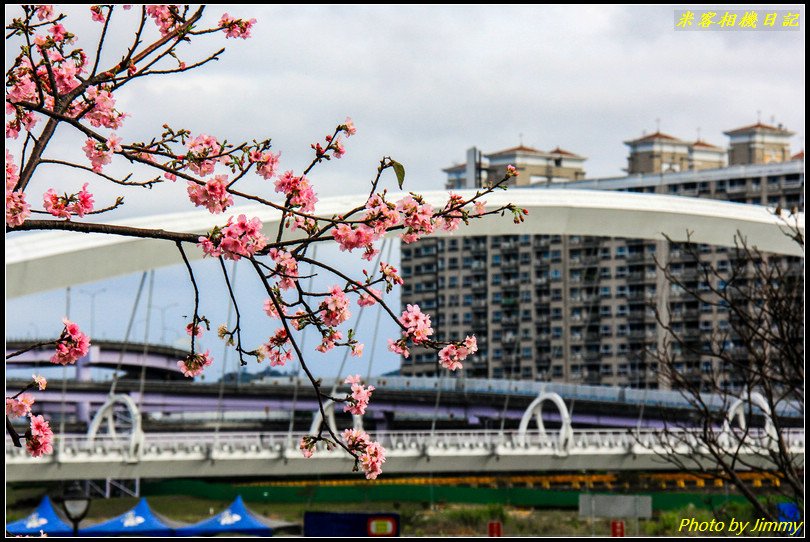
[(119, 418), (535, 410), (329, 409), (736, 412), (79, 258)]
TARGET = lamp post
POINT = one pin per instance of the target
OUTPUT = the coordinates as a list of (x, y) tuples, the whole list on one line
[(75, 503), (93, 308)]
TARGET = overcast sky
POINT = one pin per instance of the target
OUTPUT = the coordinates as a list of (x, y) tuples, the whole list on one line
[(425, 83)]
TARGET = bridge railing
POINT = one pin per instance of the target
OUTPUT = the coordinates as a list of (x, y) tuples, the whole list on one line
[(584, 440)]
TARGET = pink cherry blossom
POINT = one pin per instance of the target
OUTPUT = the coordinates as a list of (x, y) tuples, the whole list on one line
[(356, 439), (286, 268), (480, 207), (236, 28), (40, 381), (17, 209), (307, 447), (195, 330), (103, 112), (298, 191), (329, 337), (16, 408), (80, 203), (380, 215), (511, 171), (366, 299), (72, 344), (203, 154), (40, 427), (266, 163), (235, 240), (100, 154), (97, 14), (37, 446), (372, 459), (163, 15), (418, 218), (454, 215), (360, 396), (194, 364), (416, 323), (398, 347), (278, 349), (335, 308), (357, 349), (59, 33), (348, 127), (45, 12), (213, 195)]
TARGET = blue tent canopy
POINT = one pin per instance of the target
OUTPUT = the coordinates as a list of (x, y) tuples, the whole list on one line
[(138, 521), (44, 518), (234, 519)]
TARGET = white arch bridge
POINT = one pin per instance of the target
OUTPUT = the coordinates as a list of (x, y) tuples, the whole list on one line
[(41, 261), (135, 454)]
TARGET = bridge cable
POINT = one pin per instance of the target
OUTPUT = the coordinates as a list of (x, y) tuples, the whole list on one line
[(356, 324), (64, 377), (126, 335), (380, 316), (146, 338), (298, 365), (220, 399)]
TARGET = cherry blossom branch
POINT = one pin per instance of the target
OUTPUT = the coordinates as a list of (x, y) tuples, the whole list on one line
[(124, 182), (316, 384), (29, 348), (196, 318)]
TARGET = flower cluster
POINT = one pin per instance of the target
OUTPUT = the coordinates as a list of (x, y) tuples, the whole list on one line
[(335, 308), (391, 276), (203, 154), (100, 153), (242, 238), (453, 213), (236, 28), (418, 218), (298, 191), (329, 337), (103, 112), (371, 455), (39, 437), (194, 364), (286, 268), (451, 356), (277, 348), (65, 206), (19, 406), (416, 324), (266, 163), (367, 299), (71, 345), (213, 195), (357, 402), (17, 209), (165, 15)]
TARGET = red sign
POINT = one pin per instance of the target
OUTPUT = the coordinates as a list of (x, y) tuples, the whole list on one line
[(494, 528), (617, 528), (381, 526)]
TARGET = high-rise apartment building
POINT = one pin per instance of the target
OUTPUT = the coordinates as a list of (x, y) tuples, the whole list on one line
[(576, 308)]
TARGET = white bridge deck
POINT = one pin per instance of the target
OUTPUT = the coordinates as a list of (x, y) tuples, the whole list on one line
[(196, 455)]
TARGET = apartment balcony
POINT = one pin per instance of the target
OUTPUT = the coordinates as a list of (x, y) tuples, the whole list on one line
[(481, 303), (478, 248), (479, 285), (636, 256), (509, 301)]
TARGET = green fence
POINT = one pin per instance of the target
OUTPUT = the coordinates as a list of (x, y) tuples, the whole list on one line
[(515, 496)]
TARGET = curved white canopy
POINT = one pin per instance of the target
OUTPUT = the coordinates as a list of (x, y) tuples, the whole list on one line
[(43, 261)]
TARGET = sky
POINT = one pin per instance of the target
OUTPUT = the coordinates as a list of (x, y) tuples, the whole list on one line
[(422, 84)]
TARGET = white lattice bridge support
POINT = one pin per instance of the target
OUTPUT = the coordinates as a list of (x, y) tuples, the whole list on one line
[(43, 261)]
